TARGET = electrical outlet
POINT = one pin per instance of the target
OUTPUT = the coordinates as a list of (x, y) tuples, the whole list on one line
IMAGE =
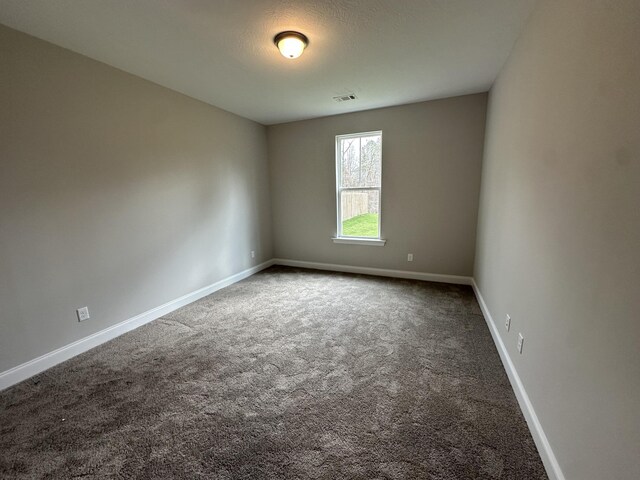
[(253, 254), (520, 342), (83, 314), (410, 257), (507, 322)]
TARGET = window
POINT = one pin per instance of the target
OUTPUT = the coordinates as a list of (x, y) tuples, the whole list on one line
[(359, 188)]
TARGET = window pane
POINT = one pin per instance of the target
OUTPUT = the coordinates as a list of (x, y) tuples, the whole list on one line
[(361, 160), (360, 211)]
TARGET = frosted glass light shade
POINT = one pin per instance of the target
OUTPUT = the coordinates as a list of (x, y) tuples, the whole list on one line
[(291, 44)]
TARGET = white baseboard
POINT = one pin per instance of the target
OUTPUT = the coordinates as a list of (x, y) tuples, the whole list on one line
[(381, 272), (37, 365), (48, 360), (554, 472)]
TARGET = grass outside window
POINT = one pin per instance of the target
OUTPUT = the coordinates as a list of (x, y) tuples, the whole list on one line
[(365, 225)]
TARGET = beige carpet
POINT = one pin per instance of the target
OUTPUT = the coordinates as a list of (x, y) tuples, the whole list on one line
[(288, 374)]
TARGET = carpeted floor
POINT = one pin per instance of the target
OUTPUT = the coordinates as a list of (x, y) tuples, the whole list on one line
[(288, 374)]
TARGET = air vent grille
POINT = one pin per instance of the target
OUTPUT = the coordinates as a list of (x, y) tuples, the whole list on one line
[(345, 98)]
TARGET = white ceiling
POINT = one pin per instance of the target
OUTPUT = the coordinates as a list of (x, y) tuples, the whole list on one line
[(387, 52)]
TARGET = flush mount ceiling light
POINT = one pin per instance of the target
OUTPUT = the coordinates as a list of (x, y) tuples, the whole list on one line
[(291, 44)]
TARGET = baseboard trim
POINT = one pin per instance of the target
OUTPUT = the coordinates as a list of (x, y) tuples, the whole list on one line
[(37, 365), (381, 272), (549, 459)]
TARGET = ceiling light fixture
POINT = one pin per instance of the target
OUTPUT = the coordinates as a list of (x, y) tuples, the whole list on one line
[(291, 44)]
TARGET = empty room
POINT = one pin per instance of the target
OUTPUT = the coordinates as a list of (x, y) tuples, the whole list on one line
[(330, 239)]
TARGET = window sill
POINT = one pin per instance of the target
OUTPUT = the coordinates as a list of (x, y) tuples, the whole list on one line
[(372, 242)]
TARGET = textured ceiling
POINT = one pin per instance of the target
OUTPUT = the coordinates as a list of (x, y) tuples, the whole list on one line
[(387, 52)]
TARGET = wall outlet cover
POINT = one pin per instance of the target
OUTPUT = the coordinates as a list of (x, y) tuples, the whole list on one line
[(83, 314)]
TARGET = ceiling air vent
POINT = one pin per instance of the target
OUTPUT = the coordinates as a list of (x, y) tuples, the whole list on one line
[(345, 98)]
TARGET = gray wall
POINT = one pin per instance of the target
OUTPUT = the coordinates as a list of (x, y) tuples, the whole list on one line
[(431, 162), (559, 228), (114, 193)]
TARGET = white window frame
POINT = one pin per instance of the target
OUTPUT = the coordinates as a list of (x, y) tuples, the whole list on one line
[(340, 238)]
